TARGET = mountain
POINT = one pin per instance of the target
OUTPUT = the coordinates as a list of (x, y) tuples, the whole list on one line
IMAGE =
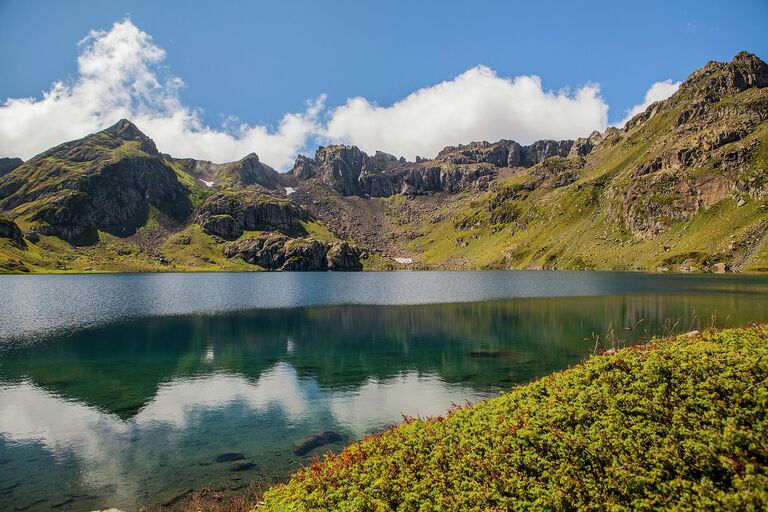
[(683, 186)]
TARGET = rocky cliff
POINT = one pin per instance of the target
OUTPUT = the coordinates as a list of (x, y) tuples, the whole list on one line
[(350, 171), (228, 214), (9, 164)]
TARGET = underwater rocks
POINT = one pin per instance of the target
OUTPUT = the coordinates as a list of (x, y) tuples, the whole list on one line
[(230, 457), (309, 443)]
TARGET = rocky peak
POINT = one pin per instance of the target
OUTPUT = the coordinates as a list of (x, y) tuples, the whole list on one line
[(381, 156), (719, 79), (303, 169), (340, 166), (125, 130), (249, 170), (584, 146)]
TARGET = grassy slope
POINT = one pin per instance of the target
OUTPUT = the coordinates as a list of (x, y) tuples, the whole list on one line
[(674, 424), (185, 249), (576, 226)]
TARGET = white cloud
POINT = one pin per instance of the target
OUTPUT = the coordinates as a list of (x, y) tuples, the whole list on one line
[(382, 402), (658, 91), (120, 76), (476, 105)]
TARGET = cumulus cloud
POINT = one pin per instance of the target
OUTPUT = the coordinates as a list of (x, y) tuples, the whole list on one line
[(476, 105), (658, 91), (120, 76)]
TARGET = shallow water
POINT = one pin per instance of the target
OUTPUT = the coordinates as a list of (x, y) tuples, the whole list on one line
[(121, 390)]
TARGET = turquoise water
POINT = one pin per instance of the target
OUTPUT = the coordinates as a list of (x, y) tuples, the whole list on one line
[(122, 390)]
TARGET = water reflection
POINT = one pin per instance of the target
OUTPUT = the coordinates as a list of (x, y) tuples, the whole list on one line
[(137, 411), (172, 442), (34, 306)]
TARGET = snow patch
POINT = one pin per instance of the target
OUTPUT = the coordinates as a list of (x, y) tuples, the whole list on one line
[(403, 260), (289, 190), (208, 184)]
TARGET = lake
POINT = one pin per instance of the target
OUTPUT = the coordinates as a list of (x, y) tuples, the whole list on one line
[(124, 390)]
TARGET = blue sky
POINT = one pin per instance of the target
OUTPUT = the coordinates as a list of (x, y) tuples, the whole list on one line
[(260, 60)]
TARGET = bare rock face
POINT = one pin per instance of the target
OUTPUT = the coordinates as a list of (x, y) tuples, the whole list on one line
[(584, 146), (9, 164), (496, 154), (350, 171), (343, 256), (505, 153), (274, 251), (222, 225), (540, 150), (228, 213), (340, 167), (9, 229)]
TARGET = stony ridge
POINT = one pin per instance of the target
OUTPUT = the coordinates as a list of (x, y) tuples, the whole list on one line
[(350, 171)]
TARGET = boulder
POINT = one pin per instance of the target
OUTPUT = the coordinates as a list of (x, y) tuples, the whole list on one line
[(274, 251), (246, 465), (343, 256), (9, 229), (223, 226), (309, 443), (230, 457)]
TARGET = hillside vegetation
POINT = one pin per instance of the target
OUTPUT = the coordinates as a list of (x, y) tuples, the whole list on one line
[(675, 424), (682, 187)]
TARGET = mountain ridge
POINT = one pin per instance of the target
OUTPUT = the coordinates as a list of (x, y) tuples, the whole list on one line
[(622, 199)]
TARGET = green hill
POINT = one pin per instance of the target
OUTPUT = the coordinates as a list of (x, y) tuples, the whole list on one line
[(678, 424)]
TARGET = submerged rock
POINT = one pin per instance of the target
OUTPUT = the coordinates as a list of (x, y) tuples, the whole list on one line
[(309, 443), (242, 466), (230, 456)]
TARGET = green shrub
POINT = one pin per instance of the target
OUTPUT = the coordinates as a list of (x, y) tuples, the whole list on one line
[(676, 424)]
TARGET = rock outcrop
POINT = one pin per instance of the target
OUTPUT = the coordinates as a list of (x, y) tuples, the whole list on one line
[(350, 171), (9, 164), (228, 214), (708, 153), (9, 230), (275, 251)]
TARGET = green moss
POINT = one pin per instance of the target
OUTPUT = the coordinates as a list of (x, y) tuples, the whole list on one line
[(673, 425), (317, 230)]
